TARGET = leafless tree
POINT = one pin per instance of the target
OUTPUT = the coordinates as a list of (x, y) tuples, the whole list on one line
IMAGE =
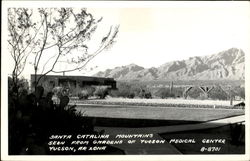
[(54, 36)]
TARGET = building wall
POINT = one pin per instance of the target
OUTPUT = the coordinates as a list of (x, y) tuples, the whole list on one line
[(51, 81)]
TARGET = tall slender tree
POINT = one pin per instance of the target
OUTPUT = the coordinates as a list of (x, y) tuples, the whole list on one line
[(20, 39)]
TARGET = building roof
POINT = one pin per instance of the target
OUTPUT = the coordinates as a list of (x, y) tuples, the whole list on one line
[(75, 77)]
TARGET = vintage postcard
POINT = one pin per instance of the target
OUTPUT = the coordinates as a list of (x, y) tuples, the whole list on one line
[(122, 80)]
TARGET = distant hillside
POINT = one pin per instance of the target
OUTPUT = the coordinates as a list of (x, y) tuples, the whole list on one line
[(226, 65)]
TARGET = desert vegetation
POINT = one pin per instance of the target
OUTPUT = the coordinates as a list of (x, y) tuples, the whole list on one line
[(139, 94), (127, 90), (34, 116), (140, 90)]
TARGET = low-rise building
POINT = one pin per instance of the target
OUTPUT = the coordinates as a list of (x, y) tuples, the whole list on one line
[(51, 81)]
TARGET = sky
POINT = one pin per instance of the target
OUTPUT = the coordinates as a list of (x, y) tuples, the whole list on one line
[(151, 35)]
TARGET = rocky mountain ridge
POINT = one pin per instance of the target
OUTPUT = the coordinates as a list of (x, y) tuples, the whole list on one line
[(228, 65)]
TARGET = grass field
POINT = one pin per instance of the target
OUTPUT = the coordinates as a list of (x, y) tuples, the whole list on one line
[(130, 116), (158, 113), (159, 102)]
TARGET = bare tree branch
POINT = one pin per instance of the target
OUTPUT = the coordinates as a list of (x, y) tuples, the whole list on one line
[(64, 30)]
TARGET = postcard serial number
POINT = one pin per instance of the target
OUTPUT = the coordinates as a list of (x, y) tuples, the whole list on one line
[(210, 149)]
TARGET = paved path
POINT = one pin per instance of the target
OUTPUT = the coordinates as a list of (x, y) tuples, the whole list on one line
[(166, 148), (177, 128)]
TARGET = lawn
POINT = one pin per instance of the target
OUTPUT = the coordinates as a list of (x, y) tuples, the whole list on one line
[(179, 102), (157, 113), (130, 116), (120, 112)]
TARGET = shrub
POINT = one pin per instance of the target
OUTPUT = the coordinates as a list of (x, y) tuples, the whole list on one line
[(128, 90), (144, 94), (178, 91), (138, 90), (101, 92), (131, 95), (114, 93), (58, 91), (123, 90), (164, 93), (218, 94), (148, 95), (83, 94), (35, 118), (90, 90), (21, 86), (239, 91), (75, 91), (195, 93), (242, 92)]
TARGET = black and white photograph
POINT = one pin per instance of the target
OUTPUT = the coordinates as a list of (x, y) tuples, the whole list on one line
[(131, 80)]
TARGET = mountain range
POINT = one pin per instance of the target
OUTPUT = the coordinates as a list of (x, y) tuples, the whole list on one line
[(225, 65)]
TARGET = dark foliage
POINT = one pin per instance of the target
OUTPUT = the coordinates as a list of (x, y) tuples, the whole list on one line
[(124, 90), (128, 90), (239, 91), (237, 134), (218, 94), (141, 91), (101, 92), (164, 93), (85, 92), (33, 118), (195, 93)]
